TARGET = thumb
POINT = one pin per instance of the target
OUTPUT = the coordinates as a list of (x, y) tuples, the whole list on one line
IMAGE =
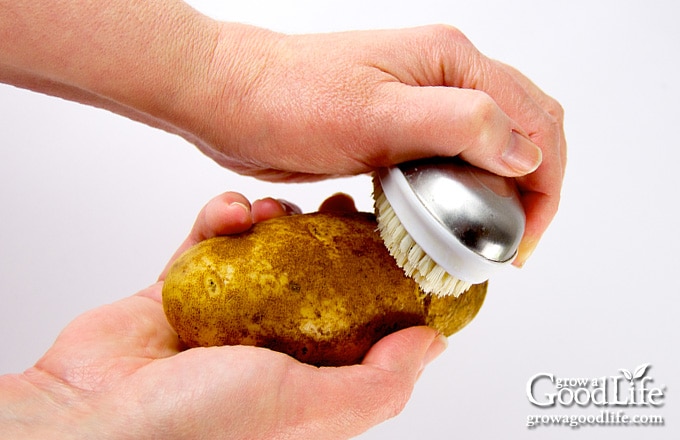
[(450, 121), (407, 351), (350, 400)]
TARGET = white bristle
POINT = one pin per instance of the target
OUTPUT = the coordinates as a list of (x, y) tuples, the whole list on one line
[(416, 264)]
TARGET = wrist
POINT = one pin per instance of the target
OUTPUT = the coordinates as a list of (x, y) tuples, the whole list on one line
[(230, 92)]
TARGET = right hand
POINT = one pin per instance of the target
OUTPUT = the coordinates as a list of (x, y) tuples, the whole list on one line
[(298, 107)]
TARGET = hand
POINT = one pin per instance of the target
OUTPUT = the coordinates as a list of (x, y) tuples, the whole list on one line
[(286, 107), (310, 106), (120, 371)]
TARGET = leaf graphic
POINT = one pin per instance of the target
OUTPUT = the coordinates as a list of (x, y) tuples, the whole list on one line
[(626, 374), (640, 371)]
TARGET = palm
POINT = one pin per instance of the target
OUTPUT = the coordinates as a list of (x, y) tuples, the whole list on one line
[(112, 341), (128, 349)]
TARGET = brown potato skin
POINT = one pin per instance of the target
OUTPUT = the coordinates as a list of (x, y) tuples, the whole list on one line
[(320, 287)]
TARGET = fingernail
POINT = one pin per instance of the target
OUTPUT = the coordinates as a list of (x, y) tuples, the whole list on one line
[(521, 154), (436, 348), (289, 207), (240, 207), (526, 248)]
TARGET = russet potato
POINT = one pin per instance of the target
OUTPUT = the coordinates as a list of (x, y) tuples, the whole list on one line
[(320, 287)]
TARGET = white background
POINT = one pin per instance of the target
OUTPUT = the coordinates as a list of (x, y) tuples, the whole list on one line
[(92, 206)]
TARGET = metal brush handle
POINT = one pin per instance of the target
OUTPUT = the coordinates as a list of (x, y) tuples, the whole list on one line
[(481, 209), (472, 221)]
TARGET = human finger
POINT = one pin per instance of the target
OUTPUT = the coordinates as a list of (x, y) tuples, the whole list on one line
[(542, 119), (541, 190), (448, 121), (339, 202), (269, 207), (228, 213), (548, 103)]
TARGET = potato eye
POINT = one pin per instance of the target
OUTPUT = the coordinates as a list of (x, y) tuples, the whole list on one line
[(211, 285)]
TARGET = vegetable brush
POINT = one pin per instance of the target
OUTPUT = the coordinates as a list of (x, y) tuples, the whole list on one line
[(448, 224)]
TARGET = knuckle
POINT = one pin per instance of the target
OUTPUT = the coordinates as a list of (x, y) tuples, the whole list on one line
[(483, 108), (397, 403), (445, 32), (484, 116), (445, 41), (396, 392), (554, 125), (555, 109)]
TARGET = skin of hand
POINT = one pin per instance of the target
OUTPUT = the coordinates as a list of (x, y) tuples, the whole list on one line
[(347, 103), (119, 372), (294, 107)]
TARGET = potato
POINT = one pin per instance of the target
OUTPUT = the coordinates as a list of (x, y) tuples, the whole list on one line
[(320, 287)]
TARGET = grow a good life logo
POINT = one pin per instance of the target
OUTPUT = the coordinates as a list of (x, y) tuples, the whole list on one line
[(611, 394)]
